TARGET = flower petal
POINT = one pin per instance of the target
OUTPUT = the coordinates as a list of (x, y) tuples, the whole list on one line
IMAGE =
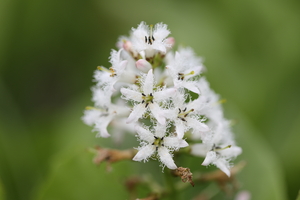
[(144, 153), (148, 84), (175, 142), (131, 94), (144, 134), (223, 165), (166, 158), (157, 113), (197, 125), (136, 113), (190, 85), (164, 94), (211, 156), (180, 127)]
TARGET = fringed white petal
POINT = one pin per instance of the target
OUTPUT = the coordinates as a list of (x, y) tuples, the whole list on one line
[(164, 94), (148, 84), (223, 165), (197, 125), (144, 153), (180, 128), (131, 94), (166, 158), (157, 113), (211, 156), (136, 113), (175, 142), (144, 134)]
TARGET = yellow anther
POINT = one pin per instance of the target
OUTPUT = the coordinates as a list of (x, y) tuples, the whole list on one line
[(191, 73)]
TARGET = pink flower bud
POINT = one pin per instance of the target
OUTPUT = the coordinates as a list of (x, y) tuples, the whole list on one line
[(170, 41), (143, 65)]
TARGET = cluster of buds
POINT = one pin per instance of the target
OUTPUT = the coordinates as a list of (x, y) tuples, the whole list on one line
[(163, 98)]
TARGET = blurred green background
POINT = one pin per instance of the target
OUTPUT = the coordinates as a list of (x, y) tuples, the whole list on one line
[(49, 50)]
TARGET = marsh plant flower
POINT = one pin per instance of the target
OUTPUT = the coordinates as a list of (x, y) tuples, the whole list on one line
[(163, 98)]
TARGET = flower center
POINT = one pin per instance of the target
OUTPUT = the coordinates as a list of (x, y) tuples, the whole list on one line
[(147, 99), (181, 76), (158, 142), (150, 39), (182, 114)]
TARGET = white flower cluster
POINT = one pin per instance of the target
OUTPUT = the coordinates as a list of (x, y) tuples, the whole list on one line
[(164, 100)]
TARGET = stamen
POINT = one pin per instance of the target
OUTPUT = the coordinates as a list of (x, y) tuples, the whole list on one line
[(216, 149), (110, 70), (150, 38), (181, 76), (182, 119), (184, 113)]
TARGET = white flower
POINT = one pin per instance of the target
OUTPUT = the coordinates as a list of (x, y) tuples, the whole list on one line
[(106, 78), (104, 112), (218, 156), (182, 68), (150, 41), (219, 150), (187, 115), (148, 98), (160, 143)]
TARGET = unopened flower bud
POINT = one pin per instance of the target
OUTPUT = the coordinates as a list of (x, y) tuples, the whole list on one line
[(127, 45), (143, 65), (170, 41)]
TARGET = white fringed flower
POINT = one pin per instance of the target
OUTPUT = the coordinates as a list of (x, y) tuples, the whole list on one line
[(182, 68), (187, 115), (216, 155), (106, 78), (104, 113), (147, 98), (219, 149), (160, 143), (150, 40)]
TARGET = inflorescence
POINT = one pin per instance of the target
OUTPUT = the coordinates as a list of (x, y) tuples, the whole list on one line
[(148, 83)]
